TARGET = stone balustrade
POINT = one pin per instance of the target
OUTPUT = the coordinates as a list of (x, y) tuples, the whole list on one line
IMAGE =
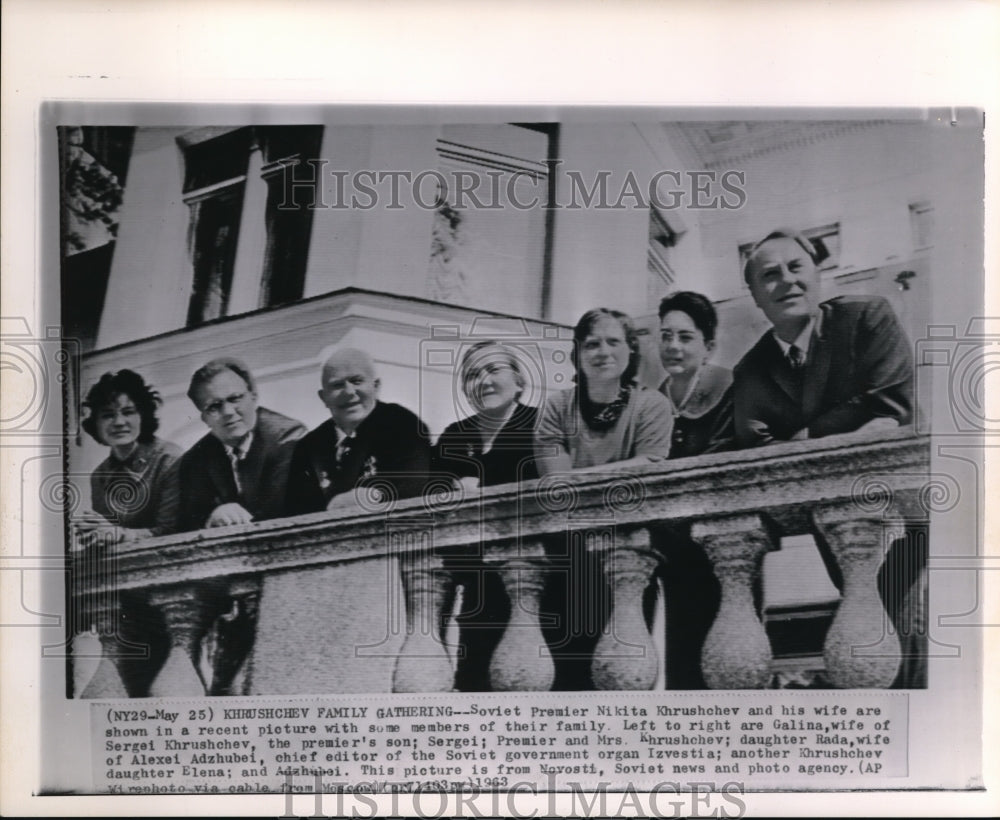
[(361, 600)]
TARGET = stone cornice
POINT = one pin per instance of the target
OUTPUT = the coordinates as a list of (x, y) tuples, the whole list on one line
[(355, 303)]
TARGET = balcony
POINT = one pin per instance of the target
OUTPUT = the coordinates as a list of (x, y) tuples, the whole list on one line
[(357, 602)]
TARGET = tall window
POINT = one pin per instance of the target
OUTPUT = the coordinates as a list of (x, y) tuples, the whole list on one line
[(215, 174), (249, 228), (94, 164), (289, 208)]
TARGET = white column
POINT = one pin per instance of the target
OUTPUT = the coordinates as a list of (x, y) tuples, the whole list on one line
[(244, 294)]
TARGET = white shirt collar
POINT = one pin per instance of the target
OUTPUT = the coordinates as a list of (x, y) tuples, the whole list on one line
[(801, 341), (241, 448)]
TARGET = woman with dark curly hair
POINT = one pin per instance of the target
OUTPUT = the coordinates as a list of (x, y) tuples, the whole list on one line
[(132, 492), (134, 496)]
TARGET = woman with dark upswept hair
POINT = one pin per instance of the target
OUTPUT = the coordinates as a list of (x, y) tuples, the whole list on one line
[(607, 421), (700, 393), (701, 398), (134, 496)]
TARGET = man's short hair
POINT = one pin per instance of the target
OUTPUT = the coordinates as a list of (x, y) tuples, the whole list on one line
[(816, 250), (356, 353), (204, 374)]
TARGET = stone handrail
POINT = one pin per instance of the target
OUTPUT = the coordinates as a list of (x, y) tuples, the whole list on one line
[(353, 601)]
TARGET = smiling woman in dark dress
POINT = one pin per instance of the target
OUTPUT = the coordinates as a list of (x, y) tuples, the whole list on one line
[(493, 446)]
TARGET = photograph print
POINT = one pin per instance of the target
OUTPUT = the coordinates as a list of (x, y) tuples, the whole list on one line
[(484, 401)]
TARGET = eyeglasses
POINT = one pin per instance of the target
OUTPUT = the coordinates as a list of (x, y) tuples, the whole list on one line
[(216, 408), (474, 373)]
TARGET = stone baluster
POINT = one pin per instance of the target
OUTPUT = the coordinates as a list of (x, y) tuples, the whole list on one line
[(106, 681), (187, 612), (737, 652), (98, 611), (522, 660), (237, 632), (423, 664), (861, 649), (625, 655)]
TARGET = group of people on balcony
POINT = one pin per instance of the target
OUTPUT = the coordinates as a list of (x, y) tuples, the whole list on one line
[(839, 366)]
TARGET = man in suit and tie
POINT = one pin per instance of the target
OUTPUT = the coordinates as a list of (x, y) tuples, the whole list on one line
[(237, 472), (233, 475), (840, 366), (365, 441)]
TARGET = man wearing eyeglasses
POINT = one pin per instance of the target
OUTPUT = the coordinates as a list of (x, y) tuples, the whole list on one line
[(237, 473), (234, 475)]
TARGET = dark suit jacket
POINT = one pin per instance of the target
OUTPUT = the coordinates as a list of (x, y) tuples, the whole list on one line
[(206, 478), (459, 450), (390, 445), (859, 367)]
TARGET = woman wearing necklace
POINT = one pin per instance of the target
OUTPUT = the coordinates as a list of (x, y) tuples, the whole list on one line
[(700, 393), (701, 398), (134, 496), (606, 422)]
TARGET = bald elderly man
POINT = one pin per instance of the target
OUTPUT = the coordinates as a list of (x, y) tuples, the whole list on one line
[(364, 440)]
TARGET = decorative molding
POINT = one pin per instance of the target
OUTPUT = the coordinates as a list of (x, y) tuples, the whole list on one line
[(704, 144), (469, 155)]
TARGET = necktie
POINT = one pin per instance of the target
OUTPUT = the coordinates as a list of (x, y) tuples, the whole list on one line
[(343, 448), (796, 358), (236, 456)]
